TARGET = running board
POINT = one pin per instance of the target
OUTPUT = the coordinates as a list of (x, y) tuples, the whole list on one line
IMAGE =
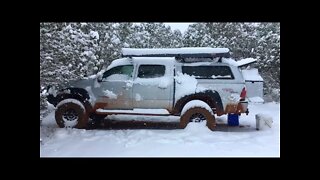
[(150, 112)]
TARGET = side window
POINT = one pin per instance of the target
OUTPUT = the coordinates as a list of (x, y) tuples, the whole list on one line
[(209, 72), (151, 71), (119, 73)]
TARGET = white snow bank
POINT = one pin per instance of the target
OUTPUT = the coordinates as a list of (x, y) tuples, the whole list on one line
[(251, 74), (196, 103), (193, 141), (189, 50), (110, 94), (256, 99)]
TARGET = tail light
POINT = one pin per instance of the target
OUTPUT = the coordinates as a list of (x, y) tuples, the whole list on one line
[(243, 93)]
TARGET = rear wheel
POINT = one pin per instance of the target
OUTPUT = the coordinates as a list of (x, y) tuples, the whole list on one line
[(197, 114), (71, 113)]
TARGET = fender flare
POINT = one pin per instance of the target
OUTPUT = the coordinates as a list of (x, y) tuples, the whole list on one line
[(75, 93), (212, 98)]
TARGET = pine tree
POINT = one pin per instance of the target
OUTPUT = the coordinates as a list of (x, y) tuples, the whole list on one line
[(71, 51), (256, 40)]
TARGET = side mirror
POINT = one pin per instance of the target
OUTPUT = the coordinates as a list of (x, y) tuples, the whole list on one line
[(100, 76)]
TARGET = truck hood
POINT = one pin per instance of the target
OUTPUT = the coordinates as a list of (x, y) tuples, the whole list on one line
[(83, 83)]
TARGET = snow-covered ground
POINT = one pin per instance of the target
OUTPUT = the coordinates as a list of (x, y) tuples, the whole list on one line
[(195, 141)]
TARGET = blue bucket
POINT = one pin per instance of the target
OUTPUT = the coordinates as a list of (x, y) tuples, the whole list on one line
[(233, 120)]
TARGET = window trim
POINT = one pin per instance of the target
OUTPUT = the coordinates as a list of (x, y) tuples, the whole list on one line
[(105, 78), (151, 65)]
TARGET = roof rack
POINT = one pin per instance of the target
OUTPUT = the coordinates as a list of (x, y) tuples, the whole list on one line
[(178, 53)]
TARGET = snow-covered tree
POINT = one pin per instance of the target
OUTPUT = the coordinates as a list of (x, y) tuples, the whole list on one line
[(75, 50), (257, 40), (176, 39)]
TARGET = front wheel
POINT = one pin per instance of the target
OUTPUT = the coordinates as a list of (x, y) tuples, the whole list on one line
[(71, 113)]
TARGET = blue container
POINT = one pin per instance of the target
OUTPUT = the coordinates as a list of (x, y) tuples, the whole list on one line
[(233, 119)]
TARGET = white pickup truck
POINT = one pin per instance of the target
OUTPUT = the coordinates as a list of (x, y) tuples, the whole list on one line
[(193, 83)]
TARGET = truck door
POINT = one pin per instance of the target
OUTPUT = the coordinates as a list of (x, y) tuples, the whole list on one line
[(116, 88), (153, 87)]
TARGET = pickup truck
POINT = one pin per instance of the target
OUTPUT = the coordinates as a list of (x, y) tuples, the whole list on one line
[(193, 83)]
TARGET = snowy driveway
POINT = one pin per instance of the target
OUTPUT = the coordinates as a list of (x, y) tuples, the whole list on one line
[(194, 141)]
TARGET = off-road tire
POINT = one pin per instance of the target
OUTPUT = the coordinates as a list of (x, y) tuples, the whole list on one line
[(82, 120)]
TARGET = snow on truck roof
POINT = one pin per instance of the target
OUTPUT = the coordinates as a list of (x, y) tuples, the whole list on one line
[(169, 55), (188, 52), (148, 60), (171, 60)]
